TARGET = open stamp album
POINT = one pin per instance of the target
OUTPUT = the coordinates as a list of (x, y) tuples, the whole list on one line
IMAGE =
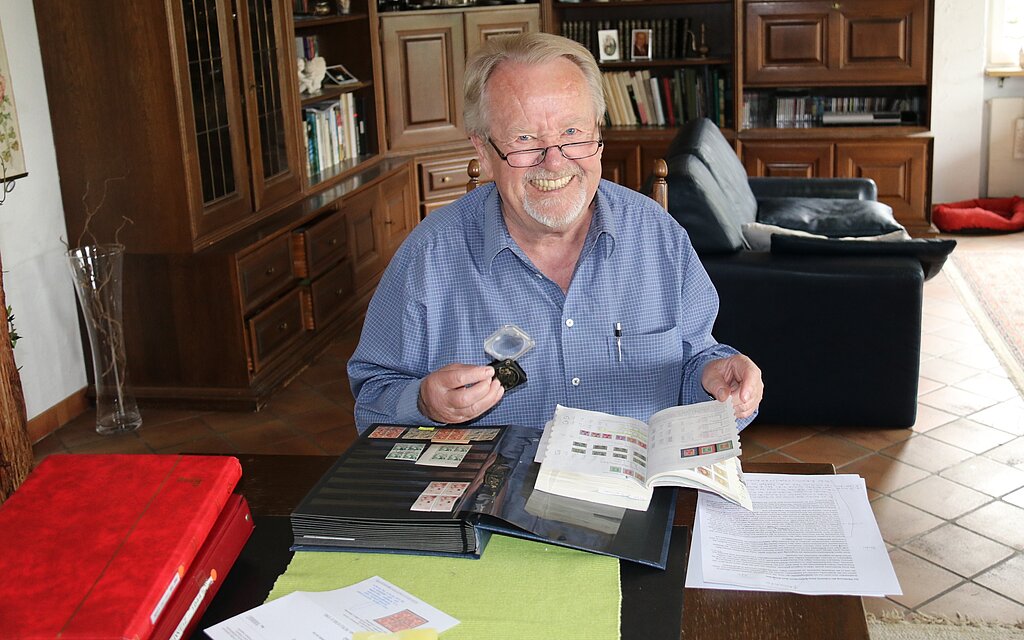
[(619, 461)]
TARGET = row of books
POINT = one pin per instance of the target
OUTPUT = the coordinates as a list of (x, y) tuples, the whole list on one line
[(770, 109), (671, 38), (335, 132), (307, 47), (640, 98)]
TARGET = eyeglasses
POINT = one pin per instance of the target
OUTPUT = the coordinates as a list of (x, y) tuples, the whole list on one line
[(533, 157)]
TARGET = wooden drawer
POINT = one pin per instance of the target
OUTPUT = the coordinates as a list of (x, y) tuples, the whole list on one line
[(321, 245), (445, 178), (275, 328), (332, 294), (265, 272)]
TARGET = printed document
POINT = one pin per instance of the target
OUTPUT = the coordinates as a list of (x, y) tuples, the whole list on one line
[(371, 605), (811, 534)]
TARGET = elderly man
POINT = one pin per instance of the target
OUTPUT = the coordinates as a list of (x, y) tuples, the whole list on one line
[(603, 281)]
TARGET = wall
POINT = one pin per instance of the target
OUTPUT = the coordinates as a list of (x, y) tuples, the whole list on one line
[(36, 279), (959, 92)]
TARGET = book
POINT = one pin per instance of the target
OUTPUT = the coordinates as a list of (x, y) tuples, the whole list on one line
[(618, 461), (444, 491), (97, 546), (209, 569)]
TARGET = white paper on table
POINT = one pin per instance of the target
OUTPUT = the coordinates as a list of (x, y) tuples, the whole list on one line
[(371, 605), (812, 534)]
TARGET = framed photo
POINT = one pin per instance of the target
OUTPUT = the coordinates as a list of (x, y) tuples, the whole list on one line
[(12, 157), (641, 49), (340, 76), (608, 40)]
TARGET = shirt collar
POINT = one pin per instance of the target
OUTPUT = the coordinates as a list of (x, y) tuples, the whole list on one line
[(497, 237)]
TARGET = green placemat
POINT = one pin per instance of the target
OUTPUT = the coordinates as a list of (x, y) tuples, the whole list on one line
[(518, 589)]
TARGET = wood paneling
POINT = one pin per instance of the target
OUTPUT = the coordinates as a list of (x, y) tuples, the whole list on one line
[(788, 159), (423, 78), (823, 42), (899, 168)]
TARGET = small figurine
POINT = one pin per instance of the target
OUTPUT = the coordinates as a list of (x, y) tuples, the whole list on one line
[(311, 74), (702, 49)]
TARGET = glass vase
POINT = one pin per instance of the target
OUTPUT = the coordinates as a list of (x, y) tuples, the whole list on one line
[(96, 271)]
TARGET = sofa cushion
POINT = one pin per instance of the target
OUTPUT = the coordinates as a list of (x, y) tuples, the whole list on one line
[(697, 201), (758, 236), (931, 252), (833, 218), (702, 139)]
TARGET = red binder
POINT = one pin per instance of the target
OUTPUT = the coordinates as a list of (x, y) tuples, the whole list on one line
[(96, 546), (207, 573)]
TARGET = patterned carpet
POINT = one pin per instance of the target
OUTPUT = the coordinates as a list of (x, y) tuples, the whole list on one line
[(992, 285)]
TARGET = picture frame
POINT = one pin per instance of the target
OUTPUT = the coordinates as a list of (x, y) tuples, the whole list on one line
[(640, 48), (338, 75), (12, 156), (608, 45)]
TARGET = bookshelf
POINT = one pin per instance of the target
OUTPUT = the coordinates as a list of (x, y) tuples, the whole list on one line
[(242, 263), (768, 72)]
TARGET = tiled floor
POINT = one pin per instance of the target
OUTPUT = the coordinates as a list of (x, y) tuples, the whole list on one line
[(948, 494)]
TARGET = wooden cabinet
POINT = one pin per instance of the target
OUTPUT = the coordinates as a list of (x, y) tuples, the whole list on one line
[(424, 55), (443, 178), (192, 138), (241, 266), (848, 42), (775, 159), (628, 157), (899, 166)]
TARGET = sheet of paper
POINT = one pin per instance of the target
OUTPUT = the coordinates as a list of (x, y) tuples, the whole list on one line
[(371, 605), (812, 534)]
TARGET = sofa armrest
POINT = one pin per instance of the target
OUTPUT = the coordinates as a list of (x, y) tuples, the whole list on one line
[(837, 338), (930, 252), (845, 188)]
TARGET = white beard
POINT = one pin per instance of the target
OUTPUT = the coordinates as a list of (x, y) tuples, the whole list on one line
[(571, 200)]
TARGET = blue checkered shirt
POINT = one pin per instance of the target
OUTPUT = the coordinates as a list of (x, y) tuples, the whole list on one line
[(459, 276)]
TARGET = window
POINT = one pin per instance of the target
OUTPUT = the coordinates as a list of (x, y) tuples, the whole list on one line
[(1006, 33)]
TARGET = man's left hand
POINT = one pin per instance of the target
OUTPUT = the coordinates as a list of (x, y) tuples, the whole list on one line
[(735, 376)]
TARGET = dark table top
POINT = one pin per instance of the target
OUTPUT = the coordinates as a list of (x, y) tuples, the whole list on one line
[(273, 485)]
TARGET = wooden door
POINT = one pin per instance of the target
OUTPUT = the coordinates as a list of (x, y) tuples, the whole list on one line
[(397, 209), (899, 168), (424, 61), (620, 163), (271, 99), (847, 42), (483, 25), (772, 159), (211, 115), (365, 245)]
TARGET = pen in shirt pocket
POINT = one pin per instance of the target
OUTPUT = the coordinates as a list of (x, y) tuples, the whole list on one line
[(618, 339)]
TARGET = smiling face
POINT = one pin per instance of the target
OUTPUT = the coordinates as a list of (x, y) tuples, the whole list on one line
[(536, 106)]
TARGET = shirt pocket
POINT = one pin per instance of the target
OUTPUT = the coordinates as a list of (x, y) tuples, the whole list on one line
[(647, 369)]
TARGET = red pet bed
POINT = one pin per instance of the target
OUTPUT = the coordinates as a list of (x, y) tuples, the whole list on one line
[(983, 214)]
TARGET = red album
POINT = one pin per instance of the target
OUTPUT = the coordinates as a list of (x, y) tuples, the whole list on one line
[(207, 573), (96, 546)]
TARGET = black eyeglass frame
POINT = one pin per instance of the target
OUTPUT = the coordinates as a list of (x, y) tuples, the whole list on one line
[(544, 152)]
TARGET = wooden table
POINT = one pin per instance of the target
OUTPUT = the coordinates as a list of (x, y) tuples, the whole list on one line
[(273, 485)]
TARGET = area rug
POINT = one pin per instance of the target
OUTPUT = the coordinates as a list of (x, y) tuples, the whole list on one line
[(920, 626), (991, 284)]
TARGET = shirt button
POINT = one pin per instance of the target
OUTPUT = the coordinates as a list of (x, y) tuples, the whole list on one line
[(575, 382), (569, 322)]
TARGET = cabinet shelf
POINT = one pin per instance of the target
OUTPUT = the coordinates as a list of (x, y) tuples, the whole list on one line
[(806, 133), (309, 22), (333, 91), (633, 3), (673, 63)]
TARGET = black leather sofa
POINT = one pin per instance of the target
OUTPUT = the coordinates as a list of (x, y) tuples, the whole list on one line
[(835, 325)]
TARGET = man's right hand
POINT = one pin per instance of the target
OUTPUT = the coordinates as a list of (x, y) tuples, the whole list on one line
[(457, 393)]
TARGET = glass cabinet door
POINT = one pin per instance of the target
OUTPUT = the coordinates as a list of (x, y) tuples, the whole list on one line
[(219, 175), (270, 99)]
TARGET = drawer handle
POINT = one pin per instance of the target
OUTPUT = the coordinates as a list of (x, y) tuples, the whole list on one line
[(283, 326), (333, 242), (836, 5), (271, 271), (339, 293), (388, 222), (446, 179)]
